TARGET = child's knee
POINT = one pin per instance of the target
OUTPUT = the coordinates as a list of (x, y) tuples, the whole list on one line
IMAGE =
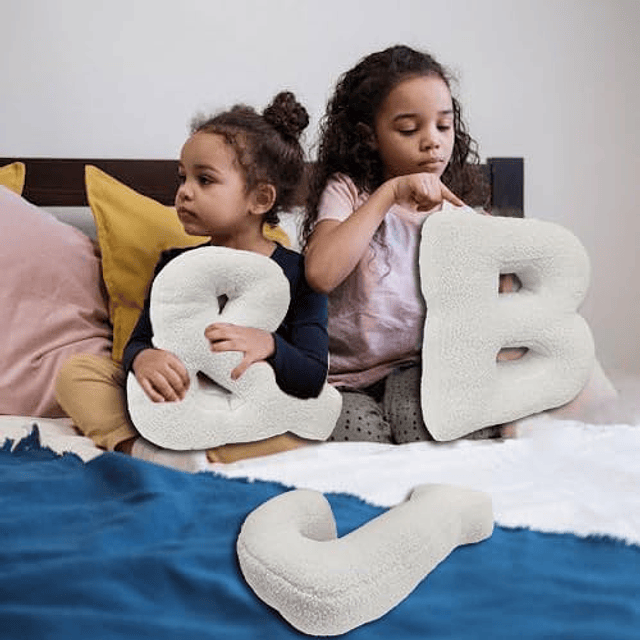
[(402, 406), (88, 368), (85, 379), (68, 375), (361, 419)]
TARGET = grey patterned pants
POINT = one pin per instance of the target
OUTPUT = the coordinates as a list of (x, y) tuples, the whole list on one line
[(389, 411)]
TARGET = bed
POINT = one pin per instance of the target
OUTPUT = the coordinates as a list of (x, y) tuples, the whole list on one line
[(103, 545)]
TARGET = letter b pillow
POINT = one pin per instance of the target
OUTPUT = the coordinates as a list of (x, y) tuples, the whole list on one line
[(217, 284), (464, 387)]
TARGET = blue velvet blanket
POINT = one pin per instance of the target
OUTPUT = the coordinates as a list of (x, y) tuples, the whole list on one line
[(120, 549)]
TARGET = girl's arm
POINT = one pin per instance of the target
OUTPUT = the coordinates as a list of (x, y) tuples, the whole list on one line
[(301, 357), (297, 351), (141, 338), (142, 335), (160, 373), (296, 355), (335, 247)]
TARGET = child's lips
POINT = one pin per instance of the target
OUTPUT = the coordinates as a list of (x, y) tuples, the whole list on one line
[(431, 164)]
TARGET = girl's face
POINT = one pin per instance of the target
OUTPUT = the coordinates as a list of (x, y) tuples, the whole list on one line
[(413, 129), (212, 199)]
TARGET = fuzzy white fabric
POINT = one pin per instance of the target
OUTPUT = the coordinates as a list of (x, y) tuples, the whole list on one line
[(556, 476), (189, 461), (57, 434), (464, 387), (216, 409), (290, 555)]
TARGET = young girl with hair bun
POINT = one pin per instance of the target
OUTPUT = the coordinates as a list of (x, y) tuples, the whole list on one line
[(393, 149), (237, 170)]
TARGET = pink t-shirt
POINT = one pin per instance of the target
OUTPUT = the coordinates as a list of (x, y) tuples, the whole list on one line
[(376, 316)]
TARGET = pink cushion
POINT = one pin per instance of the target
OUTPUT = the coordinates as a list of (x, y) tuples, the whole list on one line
[(53, 305)]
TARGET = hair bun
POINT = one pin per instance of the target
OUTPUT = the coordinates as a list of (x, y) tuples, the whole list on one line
[(286, 115)]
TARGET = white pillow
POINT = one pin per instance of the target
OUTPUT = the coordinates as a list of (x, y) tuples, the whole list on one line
[(290, 555), (464, 387), (216, 409)]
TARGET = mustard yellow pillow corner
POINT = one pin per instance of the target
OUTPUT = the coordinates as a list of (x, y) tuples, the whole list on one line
[(12, 176), (133, 230), (277, 234)]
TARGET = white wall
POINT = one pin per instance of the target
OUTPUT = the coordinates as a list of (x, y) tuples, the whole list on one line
[(555, 81)]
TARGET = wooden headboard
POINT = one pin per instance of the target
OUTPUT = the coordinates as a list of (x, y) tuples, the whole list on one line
[(60, 181)]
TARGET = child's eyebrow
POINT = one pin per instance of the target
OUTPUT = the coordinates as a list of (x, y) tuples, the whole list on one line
[(402, 116), (206, 167)]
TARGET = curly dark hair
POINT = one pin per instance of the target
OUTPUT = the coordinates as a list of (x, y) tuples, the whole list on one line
[(267, 145), (344, 141)]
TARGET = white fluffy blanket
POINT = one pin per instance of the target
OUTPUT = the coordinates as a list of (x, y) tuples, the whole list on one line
[(555, 476)]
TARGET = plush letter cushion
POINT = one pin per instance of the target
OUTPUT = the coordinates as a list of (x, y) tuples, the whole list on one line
[(218, 410), (12, 176), (53, 304), (464, 387), (290, 555), (132, 232)]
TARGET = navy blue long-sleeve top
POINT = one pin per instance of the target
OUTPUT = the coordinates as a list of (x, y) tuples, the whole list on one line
[(301, 357)]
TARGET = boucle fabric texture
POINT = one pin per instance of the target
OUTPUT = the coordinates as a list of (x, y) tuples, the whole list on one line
[(290, 555), (185, 298), (464, 387)]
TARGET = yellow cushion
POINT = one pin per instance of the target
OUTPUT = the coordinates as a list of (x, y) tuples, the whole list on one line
[(277, 234), (132, 232), (12, 176)]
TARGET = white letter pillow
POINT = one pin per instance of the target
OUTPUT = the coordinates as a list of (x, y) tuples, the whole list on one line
[(216, 409), (464, 387), (290, 555)]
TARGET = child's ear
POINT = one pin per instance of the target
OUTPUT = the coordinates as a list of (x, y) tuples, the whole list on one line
[(264, 197), (367, 135)]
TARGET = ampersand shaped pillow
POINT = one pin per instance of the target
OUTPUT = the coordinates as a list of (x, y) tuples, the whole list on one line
[(216, 409)]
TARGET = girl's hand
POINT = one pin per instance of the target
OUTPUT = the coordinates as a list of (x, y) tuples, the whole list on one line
[(422, 191), (161, 374), (256, 344)]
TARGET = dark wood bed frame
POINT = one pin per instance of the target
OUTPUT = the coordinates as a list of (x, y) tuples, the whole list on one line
[(60, 181)]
